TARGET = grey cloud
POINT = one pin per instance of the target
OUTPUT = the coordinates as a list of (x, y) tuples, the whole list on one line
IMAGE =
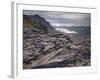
[(66, 18)]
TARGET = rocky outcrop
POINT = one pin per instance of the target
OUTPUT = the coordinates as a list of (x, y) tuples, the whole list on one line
[(44, 50)]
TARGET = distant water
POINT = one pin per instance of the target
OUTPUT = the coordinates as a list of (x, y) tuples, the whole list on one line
[(77, 31)]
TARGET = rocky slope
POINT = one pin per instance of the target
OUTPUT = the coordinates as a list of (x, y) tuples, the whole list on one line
[(37, 22), (44, 47)]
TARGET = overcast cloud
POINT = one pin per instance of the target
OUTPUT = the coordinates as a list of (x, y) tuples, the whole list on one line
[(63, 18)]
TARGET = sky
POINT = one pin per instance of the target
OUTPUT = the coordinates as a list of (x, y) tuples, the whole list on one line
[(63, 18)]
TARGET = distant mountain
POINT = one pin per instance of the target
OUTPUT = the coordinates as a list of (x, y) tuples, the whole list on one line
[(37, 22), (69, 26), (82, 31)]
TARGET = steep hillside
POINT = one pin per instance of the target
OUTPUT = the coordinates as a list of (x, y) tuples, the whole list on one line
[(37, 22)]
